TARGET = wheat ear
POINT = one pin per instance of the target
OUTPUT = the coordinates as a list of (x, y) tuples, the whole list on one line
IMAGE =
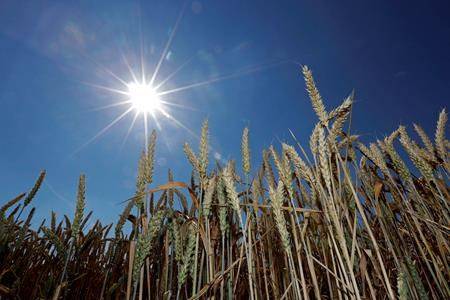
[(150, 161), (144, 243), (203, 151), (276, 197), (207, 201), (192, 158), (35, 189), (245, 148), (413, 154), (425, 140), (314, 95), (81, 199)]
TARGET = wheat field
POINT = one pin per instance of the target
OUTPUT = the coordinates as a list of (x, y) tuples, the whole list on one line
[(335, 220)]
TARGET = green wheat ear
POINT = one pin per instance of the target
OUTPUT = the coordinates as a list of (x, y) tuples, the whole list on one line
[(416, 279), (150, 161), (35, 189), (81, 198), (55, 240), (9, 204), (402, 287), (145, 171), (144, 242), (141, 180), (123, 217), (177, 240), (188, 257)]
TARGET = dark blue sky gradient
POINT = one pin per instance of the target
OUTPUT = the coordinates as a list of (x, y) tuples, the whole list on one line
[(395, 54)]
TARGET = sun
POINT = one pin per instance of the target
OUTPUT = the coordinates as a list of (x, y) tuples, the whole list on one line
[(148, 99), (143, 97)]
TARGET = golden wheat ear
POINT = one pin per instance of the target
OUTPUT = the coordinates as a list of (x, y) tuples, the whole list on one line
[(440, 135), (245, 149), (204, 149), (314, 95)]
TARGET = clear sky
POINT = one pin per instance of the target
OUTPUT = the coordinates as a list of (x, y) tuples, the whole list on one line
[(395, 54)]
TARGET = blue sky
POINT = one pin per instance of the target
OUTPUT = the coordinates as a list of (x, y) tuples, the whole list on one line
[(395, 54)]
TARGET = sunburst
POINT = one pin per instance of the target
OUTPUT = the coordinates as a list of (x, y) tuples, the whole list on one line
[(144, 96)]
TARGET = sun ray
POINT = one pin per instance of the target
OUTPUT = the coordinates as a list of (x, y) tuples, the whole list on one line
[(136, 114), (196, 136), (145, 131), (169, 42), (104, 69), (158, 125), (173, 73), (169, 116), (243, 72), (103, 130), (164, 137), (99, 108), (141, 41), (102, 87), (179, 105), (166, 142), (129, 67)]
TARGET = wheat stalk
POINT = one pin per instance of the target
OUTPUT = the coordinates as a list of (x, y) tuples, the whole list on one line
[(177, 240), (425, 140), (203, 152), (245, 149), (314, 139), (141, 180), (421, 164), (341, 115), (233, 199), (35, 189), (150, 158), (268, 168), (399, 165), (276, 197), (192, 158), (316, 99), (207, 201), (301, 168), (81, 200), (440, 135), (188, 256), (223, 209), (144, 243), (123, 217), (323, 159)]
